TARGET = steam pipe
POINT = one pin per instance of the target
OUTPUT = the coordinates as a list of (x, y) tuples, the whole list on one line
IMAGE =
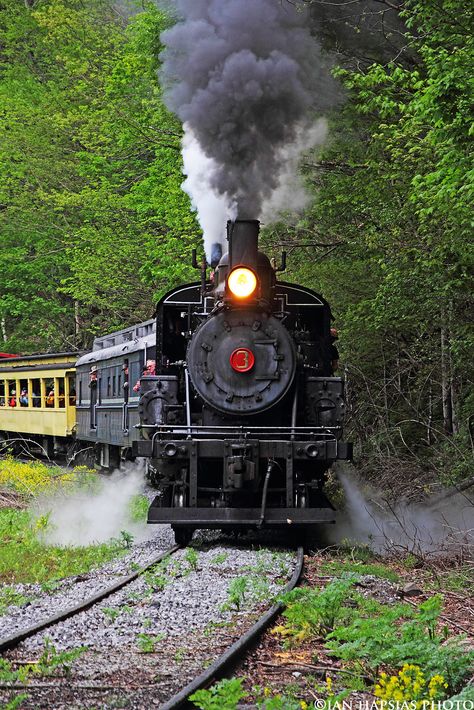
[(294, 411), (270, 466), (188, 403)]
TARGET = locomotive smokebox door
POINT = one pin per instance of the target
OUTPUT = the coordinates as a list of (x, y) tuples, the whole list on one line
[(242, 362)]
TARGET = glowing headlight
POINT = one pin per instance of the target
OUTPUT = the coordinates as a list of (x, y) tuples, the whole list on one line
[(242, 282)]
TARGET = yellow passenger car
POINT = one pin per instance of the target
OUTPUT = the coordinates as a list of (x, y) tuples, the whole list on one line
[(38, 399)]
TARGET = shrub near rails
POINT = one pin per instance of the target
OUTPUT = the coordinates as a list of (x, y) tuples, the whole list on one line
[(30, 479)]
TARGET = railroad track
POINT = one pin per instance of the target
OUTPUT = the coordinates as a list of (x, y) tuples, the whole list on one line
[(235, 653), (158, 680), (9, 642)]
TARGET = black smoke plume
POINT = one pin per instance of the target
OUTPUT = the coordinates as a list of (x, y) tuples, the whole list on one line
[(244, 76)]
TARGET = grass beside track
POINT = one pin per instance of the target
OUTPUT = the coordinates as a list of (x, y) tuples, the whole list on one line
[(25, 558)]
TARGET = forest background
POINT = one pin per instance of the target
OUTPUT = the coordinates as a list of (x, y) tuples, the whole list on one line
[(94, 226)]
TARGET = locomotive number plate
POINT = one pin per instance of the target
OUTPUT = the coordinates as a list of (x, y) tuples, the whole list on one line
[(242, 360)]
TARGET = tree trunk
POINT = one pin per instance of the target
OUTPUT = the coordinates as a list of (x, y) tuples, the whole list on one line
[(446, 376), (452, 378), (77, 321)]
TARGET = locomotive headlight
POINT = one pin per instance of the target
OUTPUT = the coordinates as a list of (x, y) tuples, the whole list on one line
[(242, 282)]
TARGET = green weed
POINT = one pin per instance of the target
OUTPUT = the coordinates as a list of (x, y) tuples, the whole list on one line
[(50, 587), (358, 552), (180, 655), (51, 659), (26, 559), (110, 612), (48, 663), (219, 558), (156, 577), (312, 612), (341, 567), (16, 702), (125, 539), (225, 695), (191, 557), (393, 636), (138, 509), (147, 643), (11, 597), (211, 626), (236, 594)]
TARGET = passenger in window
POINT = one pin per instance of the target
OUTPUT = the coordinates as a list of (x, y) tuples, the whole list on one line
[(93, 376), (12, 400), (72, 398), (50, 399), (24, 398), (149, 371)]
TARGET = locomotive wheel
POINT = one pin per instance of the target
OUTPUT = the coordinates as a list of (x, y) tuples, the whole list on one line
[(183, 536)]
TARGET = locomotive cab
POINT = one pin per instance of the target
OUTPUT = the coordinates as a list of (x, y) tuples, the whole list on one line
[(244, 415)]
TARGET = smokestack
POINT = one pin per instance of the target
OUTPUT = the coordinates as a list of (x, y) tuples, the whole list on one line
[(216, 253), (242, 236)]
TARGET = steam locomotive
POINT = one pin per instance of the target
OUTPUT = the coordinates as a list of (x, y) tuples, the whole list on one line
[(239, 422), (243, 416)]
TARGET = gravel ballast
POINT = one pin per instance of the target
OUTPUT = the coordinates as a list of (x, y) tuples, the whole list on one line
[(153, 636)]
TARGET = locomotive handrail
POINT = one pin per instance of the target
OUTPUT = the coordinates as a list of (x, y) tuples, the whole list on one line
[(236, 429)]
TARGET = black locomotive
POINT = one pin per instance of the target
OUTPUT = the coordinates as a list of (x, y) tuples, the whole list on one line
[(244, 416)]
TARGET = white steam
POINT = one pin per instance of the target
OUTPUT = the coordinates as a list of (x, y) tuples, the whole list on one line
[(442, 524), (93, 516), (291, 195), (213, 209)]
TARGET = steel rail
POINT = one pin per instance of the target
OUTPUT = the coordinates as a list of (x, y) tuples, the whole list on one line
[(9, 642), (229, 657)]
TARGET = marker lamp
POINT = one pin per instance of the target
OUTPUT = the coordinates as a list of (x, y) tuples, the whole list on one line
[(242, 282)]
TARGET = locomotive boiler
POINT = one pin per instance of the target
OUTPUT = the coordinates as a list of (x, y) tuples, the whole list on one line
[(244, 415)]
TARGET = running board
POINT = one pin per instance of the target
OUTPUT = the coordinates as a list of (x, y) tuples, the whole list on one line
[(231, 517)]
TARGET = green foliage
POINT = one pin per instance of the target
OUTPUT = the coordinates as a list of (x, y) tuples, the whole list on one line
[(220, 558), (312, 612), (90, 173), (48, 663), (466, 693), (52, 660), (373, 636), (156, 577), (147, 643), (126, 539), (26, 559), (379, 639), (394, 188), (9, 596), (192, 558), (111, 612), (236, 594), (225, 695), (343, 567), (138, 508), (279, 702), (16, 702)]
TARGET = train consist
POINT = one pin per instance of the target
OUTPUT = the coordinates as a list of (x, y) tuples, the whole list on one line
[(229, 394)]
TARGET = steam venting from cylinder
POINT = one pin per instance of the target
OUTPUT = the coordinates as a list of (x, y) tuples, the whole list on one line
[(245, 77)]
